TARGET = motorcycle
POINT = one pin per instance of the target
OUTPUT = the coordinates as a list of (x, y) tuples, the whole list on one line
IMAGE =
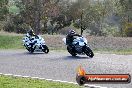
[(80, 46), (36, 43)]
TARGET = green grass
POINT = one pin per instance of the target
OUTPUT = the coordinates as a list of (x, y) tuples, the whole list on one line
[(111, 51), (14, 82), (10, 42)]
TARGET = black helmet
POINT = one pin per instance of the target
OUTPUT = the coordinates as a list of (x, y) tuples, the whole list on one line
[(31, 32), (72, 32)]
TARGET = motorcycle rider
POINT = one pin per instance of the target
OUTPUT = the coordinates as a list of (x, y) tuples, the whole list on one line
[(30, 34), (70, 37)]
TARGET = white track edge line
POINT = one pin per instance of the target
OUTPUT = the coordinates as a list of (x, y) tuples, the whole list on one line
[(86, 85)]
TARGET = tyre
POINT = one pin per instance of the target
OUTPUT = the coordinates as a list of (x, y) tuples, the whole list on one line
[(28, 49), (70, 50), (46, 50), (88, 52), (31, 50)]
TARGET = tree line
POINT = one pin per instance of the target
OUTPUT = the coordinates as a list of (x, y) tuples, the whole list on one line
[(96, 17)]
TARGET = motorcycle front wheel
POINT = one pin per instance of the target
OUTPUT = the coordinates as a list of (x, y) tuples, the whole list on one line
[(46, 50), (88, 52)]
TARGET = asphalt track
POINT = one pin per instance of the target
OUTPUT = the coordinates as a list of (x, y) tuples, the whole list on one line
[(60, 65)]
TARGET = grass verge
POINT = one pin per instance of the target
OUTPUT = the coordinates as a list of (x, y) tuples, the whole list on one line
[(110, 51), (10, 42), (18, 82)]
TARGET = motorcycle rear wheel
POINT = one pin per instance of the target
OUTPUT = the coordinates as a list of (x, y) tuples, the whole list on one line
[(70, 50), (31, 50)]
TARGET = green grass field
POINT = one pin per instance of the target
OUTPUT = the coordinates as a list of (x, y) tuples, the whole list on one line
[(17, 82), (10, 42), (54, 42), (111, 51)]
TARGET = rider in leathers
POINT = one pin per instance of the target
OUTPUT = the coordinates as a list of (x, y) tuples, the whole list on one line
[(70, 38)]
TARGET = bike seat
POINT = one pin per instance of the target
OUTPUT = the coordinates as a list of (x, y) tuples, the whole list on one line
[(36, 37)]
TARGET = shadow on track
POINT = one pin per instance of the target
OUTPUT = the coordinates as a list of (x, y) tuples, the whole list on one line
[(76, 57), (34, 53)]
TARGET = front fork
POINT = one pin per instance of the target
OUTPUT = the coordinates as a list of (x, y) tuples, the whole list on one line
[(42, 46)]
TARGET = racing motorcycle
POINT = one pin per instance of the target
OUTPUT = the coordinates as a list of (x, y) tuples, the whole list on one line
[(80, 46), (36, 43)]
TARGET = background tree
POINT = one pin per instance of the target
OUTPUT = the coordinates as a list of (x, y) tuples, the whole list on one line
[(126, 14), (3, 9), (99, 17)]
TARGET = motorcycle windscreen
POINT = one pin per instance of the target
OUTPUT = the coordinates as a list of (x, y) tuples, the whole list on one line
[(85, 40), (81, 43)]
